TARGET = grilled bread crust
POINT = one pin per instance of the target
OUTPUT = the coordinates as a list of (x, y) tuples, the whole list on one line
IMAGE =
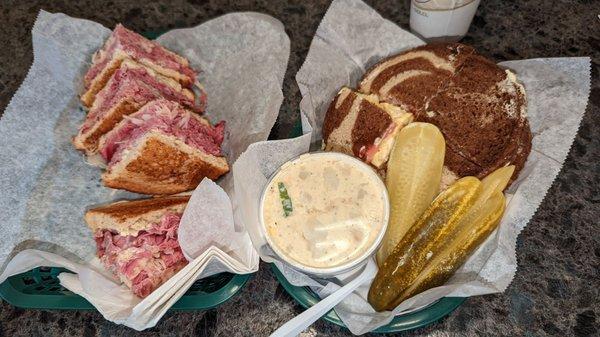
[(130, 217)]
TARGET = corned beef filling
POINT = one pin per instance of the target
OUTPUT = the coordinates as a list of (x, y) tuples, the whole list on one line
[(137, 85), (170, 119), (145, 261), (100, 60), (367, 153), (137, 47)]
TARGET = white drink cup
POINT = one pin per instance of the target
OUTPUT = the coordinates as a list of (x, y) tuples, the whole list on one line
[(442, 20)]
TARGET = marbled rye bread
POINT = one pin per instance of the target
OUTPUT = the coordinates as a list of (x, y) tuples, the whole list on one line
[(479, 107), (361, 126), (410, 79)]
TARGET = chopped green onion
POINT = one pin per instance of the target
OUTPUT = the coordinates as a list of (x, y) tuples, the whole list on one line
[(286, 202)]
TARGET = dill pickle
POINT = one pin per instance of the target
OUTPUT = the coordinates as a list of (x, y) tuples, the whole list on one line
[(422, 241), (471, 232), (496, 181), (413, 178)]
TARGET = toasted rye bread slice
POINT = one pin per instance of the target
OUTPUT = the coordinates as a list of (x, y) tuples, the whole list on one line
[(162, 164), (88, 97), (130, 217), (128, 104)]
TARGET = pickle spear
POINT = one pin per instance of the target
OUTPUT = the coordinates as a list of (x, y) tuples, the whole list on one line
[(423, 241), (496, 181), (472, 231), (413, 178)]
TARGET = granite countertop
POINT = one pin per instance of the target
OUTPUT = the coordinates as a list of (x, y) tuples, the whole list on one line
[(556, 291)]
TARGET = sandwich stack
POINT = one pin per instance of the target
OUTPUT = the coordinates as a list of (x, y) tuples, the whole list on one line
[(144, 118), (145, 123), (129, 88), (162, 148)]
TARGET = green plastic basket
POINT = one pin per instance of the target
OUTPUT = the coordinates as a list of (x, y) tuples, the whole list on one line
[(41, 289), (417, 319)]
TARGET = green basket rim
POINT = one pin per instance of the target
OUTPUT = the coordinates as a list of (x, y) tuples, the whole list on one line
[(75, 302), (428, 315)]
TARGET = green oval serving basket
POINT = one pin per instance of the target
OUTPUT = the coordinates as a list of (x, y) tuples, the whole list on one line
[(417, 319)]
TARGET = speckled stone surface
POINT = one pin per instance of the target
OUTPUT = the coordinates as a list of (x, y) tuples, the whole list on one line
[(556, 291)]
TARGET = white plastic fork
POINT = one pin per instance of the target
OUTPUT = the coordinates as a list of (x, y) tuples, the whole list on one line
[(310, 315)]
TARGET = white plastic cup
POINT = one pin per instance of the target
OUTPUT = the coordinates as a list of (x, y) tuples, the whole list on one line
[(442, 20), (347, 269)]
